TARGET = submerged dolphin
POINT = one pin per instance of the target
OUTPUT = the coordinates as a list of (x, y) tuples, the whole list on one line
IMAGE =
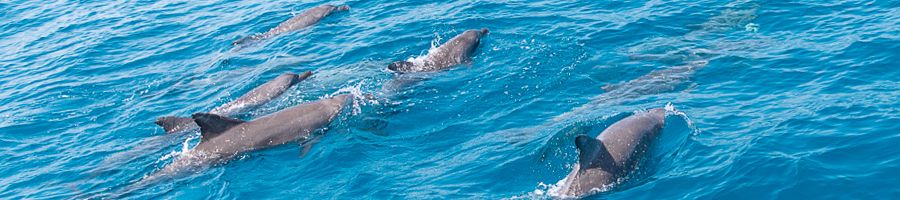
[(603, 161), (256, 97), (224, 138), (456, 51), (655, 82), (302, 20)]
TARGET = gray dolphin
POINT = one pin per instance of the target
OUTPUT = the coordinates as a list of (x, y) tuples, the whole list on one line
[(655, 82), (302, 20), (455, 51), (603, 161), (224, 138), (252, 99)]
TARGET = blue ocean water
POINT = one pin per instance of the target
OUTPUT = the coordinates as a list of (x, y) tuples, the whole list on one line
[(798, 99)]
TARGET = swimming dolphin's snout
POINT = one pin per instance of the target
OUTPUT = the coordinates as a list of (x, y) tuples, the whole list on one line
[(295, 78), (658, 114), (339, 100), (484, 31)]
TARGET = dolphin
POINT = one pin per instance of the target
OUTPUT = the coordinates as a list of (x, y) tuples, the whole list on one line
[(255, 98), (605, 160), (302, 20), (655, 82), (223, 138), (456, 51)]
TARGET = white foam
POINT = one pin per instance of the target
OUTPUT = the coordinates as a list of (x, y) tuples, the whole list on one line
[(671, 109), (555, 190), (751, 27), (185, 148), (420, 61), (359, 98)]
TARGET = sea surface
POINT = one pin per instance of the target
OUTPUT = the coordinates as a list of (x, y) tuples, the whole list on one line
[(785, 99)]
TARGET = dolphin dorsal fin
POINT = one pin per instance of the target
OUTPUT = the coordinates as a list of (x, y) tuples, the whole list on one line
[(591, 152), (212, 125), (173, 124)]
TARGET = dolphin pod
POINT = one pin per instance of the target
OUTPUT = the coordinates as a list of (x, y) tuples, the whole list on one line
[(302, 20), (604, 160), (252, 99), (223, 138), (455, 51)]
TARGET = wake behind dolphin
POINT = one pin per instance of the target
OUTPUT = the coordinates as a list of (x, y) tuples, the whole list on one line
[(302, 20)]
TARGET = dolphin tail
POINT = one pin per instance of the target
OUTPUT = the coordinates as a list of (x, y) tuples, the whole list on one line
[(174, 124), (342, 8)]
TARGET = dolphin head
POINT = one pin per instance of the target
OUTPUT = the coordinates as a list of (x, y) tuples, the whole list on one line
[(342, 8), (472, 39), (476, 35), (402, 66), (658, 115), (288, 78), (338, 101), (291, 78)]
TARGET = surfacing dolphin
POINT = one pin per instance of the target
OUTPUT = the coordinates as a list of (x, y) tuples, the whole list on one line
[(252, 99), (302, 20), (224, 138), (604, 161), (455, 51)]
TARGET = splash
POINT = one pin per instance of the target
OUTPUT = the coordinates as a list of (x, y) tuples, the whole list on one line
[(751, 27), (421, 61), (543, 191), (670, 108), (554, 191), (359, 97), (185, 147)]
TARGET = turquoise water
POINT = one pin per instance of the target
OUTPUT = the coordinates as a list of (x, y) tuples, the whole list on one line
[(798, 99)]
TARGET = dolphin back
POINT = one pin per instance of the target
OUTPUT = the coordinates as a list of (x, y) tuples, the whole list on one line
[(258, 96), (302, 20), (261, 94), (604, 160), (457, 50)]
